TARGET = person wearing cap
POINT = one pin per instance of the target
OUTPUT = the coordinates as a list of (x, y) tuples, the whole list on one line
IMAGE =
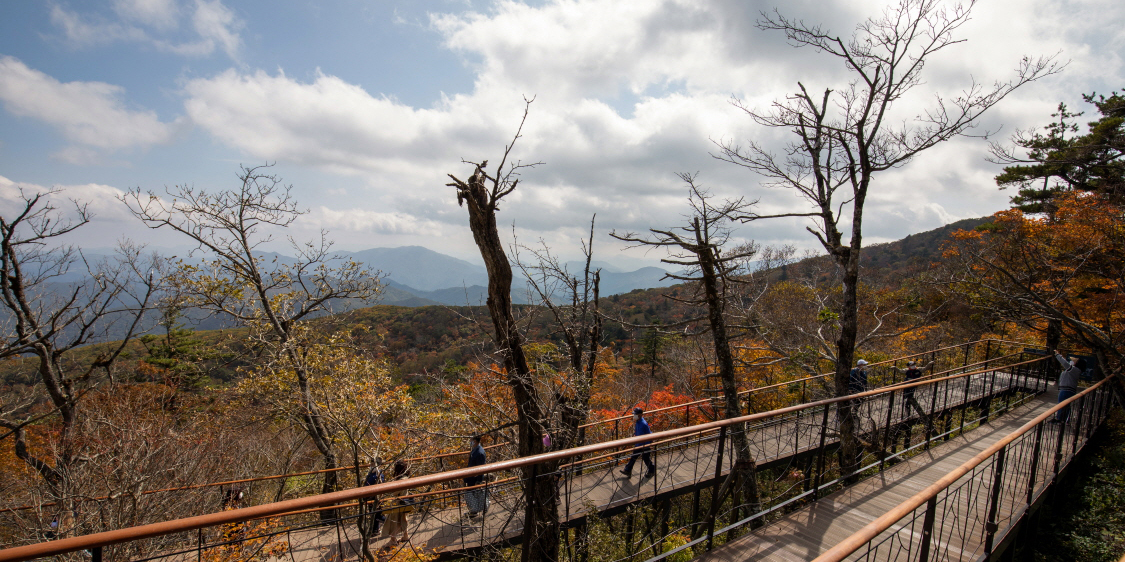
[(857, 378), (1068, 383), (640, 427)]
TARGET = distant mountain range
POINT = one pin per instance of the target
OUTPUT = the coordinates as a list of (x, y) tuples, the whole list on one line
[(418, 276)]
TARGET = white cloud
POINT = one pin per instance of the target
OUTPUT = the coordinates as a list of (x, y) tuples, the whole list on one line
[(160, 23), (627, 94), (360, 220), (160, 14), (88, 113), (101, 200)]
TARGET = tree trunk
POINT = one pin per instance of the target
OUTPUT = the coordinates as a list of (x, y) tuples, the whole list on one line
[(849, 455), (541, 524), (745, 467)]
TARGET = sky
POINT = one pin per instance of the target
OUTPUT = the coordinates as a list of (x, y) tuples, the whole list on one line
[(365, 106)]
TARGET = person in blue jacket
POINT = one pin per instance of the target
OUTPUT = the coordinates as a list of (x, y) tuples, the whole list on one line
[(477, 498), (642, 450), (1068, 383)]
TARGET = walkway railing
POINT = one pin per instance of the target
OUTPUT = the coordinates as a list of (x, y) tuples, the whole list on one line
[(794, 442), (942, 361), (972, 513)]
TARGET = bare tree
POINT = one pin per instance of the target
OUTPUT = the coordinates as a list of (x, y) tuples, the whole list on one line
[(481, 194), (698, 246), (573, 302), (45, 318), (846, 136), (271, 298)]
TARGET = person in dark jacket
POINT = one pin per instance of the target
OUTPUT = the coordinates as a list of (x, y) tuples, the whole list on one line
[(642, 450), (477, 498), (1068, 383), (375, 517), (914, 372), (857, 378)]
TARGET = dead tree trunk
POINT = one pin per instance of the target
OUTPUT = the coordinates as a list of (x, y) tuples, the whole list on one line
[(541, 525)]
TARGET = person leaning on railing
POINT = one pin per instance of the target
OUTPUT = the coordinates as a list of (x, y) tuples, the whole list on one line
[(1068, 383)]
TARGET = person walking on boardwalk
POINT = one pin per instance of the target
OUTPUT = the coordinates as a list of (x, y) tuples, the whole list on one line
[(1068, 383), (913, 372), (857, 378), (642, 450), (396, 515), (477, 498), (375, 517)]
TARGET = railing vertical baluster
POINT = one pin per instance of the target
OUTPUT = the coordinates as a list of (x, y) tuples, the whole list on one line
[(1034, 464), (965, 404), (199, 545), (887, 429), (1058, 447), (990, 526), (933, 408), (988, 395), (928, 529), (820, 453), (96, 555), (804, 386), (715, 489), (1081, 406), (965, 361)]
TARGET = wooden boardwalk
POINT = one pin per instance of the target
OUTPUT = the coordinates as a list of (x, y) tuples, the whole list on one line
[(599, 487), (805, 534)]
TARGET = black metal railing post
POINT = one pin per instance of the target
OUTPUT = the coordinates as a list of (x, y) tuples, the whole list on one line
[(820, 453), (1058, 448), (887, 429), (965, 404), (1081, 407), (933, 408), (715, 489), (990, 526), (1034, 471), (928, 529), (988, 395)]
